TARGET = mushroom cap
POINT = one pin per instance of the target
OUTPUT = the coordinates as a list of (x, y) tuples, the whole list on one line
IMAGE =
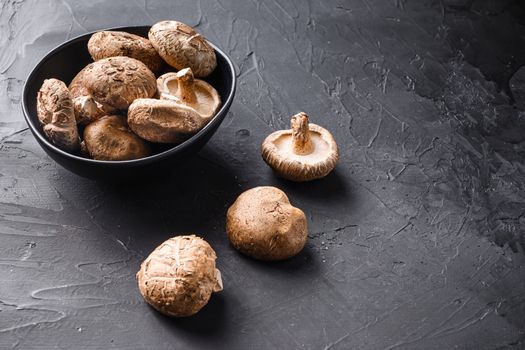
[(77, 87), (109, 138), (163, 121), (277, 152), (207, 100), (181, 46), (87, 109), (118, 81), (179, 276), (263, 224), (114, 43), (56, 115)]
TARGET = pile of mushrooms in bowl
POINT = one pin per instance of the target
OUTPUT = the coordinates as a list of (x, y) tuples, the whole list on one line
[(138, 93)]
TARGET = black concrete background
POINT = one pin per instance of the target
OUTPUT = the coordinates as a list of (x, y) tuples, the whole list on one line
[(416, 240)]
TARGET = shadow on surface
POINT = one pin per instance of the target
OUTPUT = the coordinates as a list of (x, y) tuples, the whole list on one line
[(306, 263), (332, 187), (192, 199), (210, 321)]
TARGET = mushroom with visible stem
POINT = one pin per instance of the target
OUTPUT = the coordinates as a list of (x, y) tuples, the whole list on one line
[(181, 46), (262, 223), (179, 276), (56, 115), (303, 153), (195, 93), (185, 107), (109, 138)]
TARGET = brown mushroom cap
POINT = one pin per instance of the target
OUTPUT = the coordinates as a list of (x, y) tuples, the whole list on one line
[(86, 108), (118, 81), (195, 93), (303, 153), (163, 121), (179, 276), (263, 224), (113, 43), (56, 115), (109, 138), (77, 87), (181, 46)]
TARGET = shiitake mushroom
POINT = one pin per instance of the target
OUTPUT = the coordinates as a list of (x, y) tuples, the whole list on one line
[(183, 88), (118, 81), (305, 152), (181, 46), (185, 107), (56, 115), (262, 224), (179, 276), (109, 138), (107, 44)]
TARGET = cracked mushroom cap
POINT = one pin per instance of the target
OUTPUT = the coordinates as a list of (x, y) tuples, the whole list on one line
[(114, 43), (56, 115), (195, 93), (181, 46), (109, 138), (179, 276), (118, 81), (163, 121), (86, 108), (303, 153), (263, 224)]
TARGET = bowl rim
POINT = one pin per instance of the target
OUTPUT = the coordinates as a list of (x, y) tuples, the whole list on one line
[(36, 129)]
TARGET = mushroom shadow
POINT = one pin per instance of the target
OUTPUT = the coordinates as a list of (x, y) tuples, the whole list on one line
[(210, 321), (305, 264), (192, 199), (332, 187), (194, 172)]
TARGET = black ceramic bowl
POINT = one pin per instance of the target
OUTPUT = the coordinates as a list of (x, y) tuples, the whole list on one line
[(65, 61)]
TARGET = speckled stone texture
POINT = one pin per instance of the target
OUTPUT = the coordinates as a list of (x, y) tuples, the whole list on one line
[(416, 239)]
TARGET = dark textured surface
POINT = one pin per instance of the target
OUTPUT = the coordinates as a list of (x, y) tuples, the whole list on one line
[(416, 241)]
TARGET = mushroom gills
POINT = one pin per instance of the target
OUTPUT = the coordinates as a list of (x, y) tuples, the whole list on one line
[(204, 102), (284, 145), (303, 153), (183, 88)]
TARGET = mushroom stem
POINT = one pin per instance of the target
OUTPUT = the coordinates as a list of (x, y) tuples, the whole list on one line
[(186, 86), (302, 144), (218, 281)]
